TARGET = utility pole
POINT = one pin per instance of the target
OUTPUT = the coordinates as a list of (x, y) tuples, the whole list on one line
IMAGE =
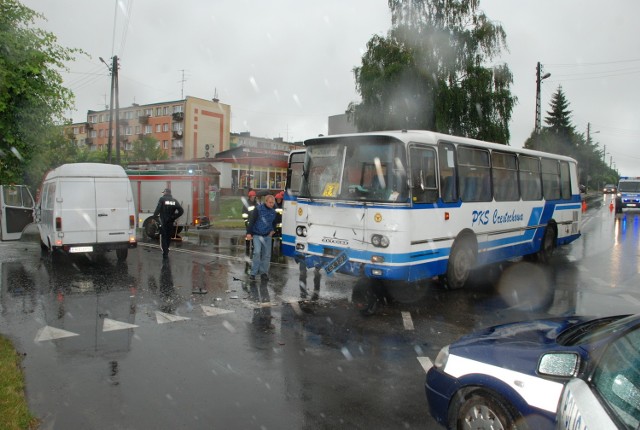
[(539, 80), (113, 68)]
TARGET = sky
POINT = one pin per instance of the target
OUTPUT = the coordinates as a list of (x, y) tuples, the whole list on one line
[(285, 66)]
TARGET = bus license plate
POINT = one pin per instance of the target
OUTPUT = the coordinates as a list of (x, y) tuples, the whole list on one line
[(336, 263), (75, 249)]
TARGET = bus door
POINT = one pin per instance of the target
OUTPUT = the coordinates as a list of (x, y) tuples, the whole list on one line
[(289, 203), (16, 210)]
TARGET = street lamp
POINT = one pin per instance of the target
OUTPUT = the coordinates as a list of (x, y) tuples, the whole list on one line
[(539, 79)]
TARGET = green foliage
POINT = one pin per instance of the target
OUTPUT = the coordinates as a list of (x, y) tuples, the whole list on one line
[(32, 96), (560, 137), (429, 73), (146, 149), (56, 149)]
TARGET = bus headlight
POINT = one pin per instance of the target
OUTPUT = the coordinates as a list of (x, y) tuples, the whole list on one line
[(301, 231), (379, 241)]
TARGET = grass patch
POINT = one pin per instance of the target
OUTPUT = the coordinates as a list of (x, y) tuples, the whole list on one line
[(230, 215), (14, 411)]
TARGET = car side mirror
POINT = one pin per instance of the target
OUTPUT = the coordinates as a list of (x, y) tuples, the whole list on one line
[(559, 364)]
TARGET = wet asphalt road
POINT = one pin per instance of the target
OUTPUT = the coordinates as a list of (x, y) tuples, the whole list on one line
[(191, 344)]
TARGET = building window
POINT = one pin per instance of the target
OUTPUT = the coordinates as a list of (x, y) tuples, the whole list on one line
[(148, 129), (165, 110), (137, 129), (165, 144), (127, 131), (165, 126), (148, 112), (92, 119), (177, 108), (158, 111), (93, 133), (158, 128), (100, 133), (177, 126)]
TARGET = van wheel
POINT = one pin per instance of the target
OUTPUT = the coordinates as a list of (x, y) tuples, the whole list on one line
[(122, 254), (461, 261)]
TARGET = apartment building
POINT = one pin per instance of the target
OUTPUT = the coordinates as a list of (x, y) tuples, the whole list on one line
[(186, 129)]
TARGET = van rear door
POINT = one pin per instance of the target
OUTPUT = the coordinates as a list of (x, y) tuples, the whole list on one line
[(76, 206), (16, 211), (114, 204)]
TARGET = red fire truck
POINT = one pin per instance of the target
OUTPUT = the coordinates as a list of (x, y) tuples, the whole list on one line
[(194, 185)]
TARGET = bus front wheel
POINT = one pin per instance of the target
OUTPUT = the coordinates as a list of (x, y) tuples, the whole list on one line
[(461, 261), (367, 295)]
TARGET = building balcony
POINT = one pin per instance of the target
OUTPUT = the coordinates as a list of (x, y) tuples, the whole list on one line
[(178, 116), (177, 134), (143, 119)]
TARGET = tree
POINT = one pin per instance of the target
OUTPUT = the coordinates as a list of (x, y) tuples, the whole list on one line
[(146, 149), (560, 137), (57, 149), (32, 97), (429, 72)]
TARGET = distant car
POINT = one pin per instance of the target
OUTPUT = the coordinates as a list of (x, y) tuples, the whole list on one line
[(513, 375), (609, 189)]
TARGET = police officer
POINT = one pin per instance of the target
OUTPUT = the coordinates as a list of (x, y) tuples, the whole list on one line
[(169, 210)]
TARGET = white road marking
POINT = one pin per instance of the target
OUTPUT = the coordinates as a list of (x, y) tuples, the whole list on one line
[(163, 318), (407, 321), (113, 325), (426, 363), (51, 333), (212, 311)]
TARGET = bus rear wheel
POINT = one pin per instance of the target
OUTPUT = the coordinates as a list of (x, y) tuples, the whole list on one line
[(547, 246), (461, 261)]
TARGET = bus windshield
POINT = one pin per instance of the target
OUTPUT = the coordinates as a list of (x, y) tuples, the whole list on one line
[(357, 169)]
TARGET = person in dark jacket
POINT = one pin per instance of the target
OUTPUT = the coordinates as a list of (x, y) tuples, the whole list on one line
[(168, 210), (248, 206), (260, 229)]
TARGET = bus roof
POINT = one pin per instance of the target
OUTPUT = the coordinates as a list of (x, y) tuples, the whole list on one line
[(431, 137)]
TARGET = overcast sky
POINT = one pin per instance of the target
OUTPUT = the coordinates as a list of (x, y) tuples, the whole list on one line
[(284, 66)]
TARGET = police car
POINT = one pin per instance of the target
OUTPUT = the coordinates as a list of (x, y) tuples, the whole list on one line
[(513, 376), (628, 195)]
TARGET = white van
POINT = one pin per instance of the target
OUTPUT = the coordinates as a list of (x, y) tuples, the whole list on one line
[(87, 207)]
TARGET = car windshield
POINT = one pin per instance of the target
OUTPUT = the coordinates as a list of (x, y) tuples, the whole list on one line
[(629, 186), (593, 330)]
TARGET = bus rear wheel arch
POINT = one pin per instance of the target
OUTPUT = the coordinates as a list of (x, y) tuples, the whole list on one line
[(548, 244), (462, 259)]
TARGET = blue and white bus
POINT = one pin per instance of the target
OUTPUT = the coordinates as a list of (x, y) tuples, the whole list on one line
[(412, 205)]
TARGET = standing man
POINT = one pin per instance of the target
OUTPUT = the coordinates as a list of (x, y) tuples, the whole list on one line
[(169, 210), (260, 229)]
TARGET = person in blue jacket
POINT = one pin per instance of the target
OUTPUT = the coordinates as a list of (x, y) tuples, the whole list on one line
[(261, 227)]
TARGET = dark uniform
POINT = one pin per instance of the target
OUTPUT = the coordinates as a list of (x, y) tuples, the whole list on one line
[(168, 210)]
